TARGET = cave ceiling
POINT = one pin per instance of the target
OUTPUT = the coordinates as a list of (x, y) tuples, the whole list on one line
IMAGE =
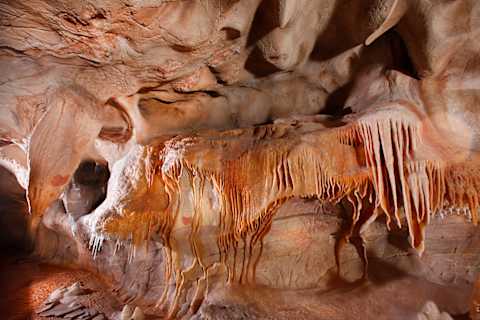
[(192, 128)]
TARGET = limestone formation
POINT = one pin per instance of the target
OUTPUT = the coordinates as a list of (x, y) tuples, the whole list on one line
[(69, 303), (221, 159)]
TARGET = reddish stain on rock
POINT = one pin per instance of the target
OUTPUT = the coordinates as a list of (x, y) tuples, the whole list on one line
[(59, 180), (186, 220)]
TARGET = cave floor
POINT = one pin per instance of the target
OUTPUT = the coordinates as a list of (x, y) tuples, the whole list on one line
[(401, 299), (25, 283)]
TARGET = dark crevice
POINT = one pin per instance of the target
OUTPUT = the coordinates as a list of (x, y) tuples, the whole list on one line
[(162, 100), (72, 19), (335, 104), (397, 59), (13, 213), (211, 93), (231, 34), (402, 60), (149, 89), (263, 23), (100, 15), (181, 48), (87, 190), (218, 76), (258, 65), (465, 316), (4, 142)]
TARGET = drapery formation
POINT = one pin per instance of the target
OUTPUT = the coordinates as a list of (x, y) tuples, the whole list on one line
[(234, 182)]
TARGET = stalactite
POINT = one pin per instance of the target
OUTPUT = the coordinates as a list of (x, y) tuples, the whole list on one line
[(95, 244), (400, 181), (251, 187), (463, 187), (372, 163)]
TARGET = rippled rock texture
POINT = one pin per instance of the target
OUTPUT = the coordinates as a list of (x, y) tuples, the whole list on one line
[(282, 159)]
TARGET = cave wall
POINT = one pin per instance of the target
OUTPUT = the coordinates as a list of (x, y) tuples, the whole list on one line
[(178, 146)]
